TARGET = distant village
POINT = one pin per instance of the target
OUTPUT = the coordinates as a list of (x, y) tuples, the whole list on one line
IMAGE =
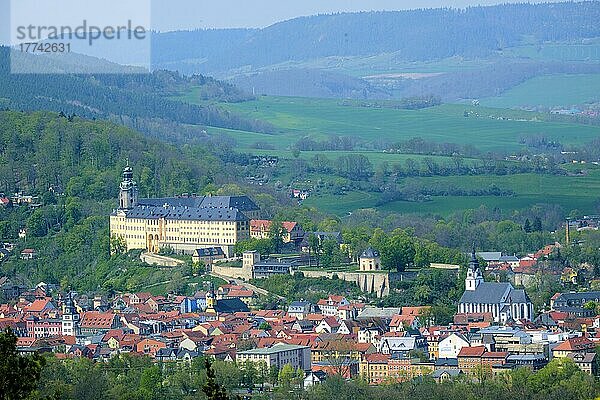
[(495, 326)]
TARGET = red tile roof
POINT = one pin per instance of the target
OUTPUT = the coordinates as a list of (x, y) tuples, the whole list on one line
[(400, 320), (97, 320), (265, 225), (556, 296), (25, 341), (558, 315), (113, 333), (142, 307), (331, 321), (68, 340), (38, 305), (476, 351), (239, 329), (8, 322), (525, 269), (575, 344), (478, 325), (298, 341), (415, 310)]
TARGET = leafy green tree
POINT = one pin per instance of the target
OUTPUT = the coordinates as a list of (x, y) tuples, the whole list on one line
[(249, 374), (265, 326), (537, 224), (273, 374), (329, 225), (286, 376), (211, 388), (527, 226), (72, 211), (55, 382), (117, 245), (276, 234), (19, 375), (89, 381), (397, 250), (36, 224), (402, 251), (330, 253), (263, 246), (356, 166), (228, 374), (5, 230), (263, 373), (314, 247), (357, 239)]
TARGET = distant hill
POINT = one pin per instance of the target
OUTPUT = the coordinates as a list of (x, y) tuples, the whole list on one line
[(416, 35), (142, 101), (487, 81), (85, 158), (309, 83)]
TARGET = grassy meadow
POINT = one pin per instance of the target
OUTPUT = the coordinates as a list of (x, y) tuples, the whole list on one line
[(488, 129), (570, 192), (549, 91), (491, 130), (588, 50)]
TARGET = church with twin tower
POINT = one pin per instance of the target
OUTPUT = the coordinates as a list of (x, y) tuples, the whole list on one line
[(500, 299), (182, 223)]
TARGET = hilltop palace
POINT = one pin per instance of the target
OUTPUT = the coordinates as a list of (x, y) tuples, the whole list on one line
[(183, 223)]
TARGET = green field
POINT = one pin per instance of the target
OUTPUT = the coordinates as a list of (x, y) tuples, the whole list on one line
[(570, 192), (488, 129), (318, 118), (549, 91), (588, 51)]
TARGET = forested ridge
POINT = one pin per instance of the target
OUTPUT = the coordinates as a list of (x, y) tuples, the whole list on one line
[(81, 161), (415, 35), (134, 98), (43, 149)]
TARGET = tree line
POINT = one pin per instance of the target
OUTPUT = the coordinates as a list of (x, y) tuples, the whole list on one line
[(138, 98), (138, 378)]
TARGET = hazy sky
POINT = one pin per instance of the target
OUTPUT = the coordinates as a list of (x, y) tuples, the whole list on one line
[(190, 14)]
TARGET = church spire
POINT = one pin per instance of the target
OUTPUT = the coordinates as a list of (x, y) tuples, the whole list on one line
[(211, 299), (474, 262), (474, 275)]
